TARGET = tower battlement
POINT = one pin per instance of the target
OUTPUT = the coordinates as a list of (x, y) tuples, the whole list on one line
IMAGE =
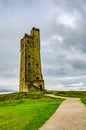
[(30, 63)]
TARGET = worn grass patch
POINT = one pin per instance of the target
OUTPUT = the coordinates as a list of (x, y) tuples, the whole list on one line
[(26, 114)]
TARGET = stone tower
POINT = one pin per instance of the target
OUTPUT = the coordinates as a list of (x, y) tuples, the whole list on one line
[(30, 64)]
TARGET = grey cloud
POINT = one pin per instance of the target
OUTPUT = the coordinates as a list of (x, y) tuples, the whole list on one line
[(63, 47), (67, 83), (6, 90), (71, 5), (73, 44), (8, 74), (79, 64)]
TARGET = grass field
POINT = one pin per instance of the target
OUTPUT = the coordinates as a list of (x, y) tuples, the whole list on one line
[(83, 101), (26, 114), (75, 94), (21, 95)]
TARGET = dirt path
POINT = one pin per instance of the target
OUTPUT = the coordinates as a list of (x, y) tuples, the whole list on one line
[(71, 115)]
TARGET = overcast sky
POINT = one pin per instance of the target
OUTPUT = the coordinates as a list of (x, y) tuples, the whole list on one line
[(62, 25)]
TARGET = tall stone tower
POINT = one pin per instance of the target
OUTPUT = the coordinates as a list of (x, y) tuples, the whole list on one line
[(30, 64)]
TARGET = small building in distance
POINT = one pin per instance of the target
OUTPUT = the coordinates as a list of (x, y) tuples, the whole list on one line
[(30, 63)]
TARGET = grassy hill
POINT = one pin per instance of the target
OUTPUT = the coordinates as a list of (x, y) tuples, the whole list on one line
[(26, 111), (75, 94), (21, 95)]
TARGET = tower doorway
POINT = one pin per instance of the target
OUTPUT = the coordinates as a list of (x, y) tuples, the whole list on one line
[(40, 87)]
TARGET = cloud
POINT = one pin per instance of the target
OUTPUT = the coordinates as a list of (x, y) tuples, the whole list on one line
[(66, 83), (63, 40), (9, 84)]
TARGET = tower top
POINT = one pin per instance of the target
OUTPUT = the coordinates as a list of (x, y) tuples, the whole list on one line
[(35, 29)]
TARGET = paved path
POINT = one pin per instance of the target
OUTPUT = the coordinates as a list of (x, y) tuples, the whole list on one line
[(71, 115), (51, 95)]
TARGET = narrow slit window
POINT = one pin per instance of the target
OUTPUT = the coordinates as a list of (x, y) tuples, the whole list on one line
[(36, 64), (29, 56)]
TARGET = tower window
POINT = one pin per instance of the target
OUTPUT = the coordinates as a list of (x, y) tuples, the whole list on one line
[(29, 65), (28, 56), (27, 41), (37, 78), (40, 87), (37, 64)]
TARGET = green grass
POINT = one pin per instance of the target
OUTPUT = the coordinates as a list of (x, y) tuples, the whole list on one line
[(21, 95), (83, 100), (75, 94), (26, 114)]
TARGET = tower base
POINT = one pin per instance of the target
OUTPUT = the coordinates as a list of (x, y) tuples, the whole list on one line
[(33, 86)]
